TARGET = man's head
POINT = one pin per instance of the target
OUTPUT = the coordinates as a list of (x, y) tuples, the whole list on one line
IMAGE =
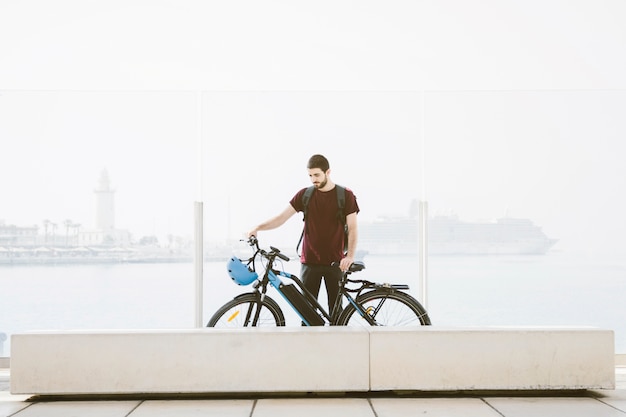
[(318, 161), (319, 170)]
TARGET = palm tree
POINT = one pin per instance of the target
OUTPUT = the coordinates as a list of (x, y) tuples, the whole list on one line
[(46, 224), (67, 223), (54, 233), (76, 227)]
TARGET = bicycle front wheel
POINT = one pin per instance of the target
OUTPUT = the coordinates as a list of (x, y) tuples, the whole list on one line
[(386, 307), (242, 312)]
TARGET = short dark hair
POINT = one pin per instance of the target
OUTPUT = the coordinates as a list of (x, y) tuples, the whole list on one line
[(318, 161)]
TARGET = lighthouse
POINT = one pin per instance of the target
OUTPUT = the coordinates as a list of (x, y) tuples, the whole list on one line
[(104, 232), (105, 203)]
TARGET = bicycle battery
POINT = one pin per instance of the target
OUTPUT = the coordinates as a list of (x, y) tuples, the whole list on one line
[(299, 303)]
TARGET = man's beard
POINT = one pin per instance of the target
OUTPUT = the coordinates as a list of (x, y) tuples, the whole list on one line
[(322, 184)]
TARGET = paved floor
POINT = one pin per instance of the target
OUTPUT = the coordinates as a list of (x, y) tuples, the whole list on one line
[(600, 403)]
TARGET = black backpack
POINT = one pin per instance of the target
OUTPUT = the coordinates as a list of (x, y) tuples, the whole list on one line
[(341, 216)]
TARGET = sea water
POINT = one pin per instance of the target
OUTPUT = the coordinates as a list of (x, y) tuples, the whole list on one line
[(556, 289)]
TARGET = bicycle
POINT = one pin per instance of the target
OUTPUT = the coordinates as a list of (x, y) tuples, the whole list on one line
[(373, 304)]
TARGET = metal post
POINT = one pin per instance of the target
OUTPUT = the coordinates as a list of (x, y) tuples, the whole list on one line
[(198, 260), (423, 252), (423, 216), (199, 219)]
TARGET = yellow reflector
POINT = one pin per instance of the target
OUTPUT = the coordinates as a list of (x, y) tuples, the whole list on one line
[(233, 316)]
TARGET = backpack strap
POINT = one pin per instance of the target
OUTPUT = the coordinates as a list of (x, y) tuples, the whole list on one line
[(341, 202), (305, 202), (341, 214)]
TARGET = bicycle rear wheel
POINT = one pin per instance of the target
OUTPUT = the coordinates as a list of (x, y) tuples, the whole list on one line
[(387, 307), (241, 312)]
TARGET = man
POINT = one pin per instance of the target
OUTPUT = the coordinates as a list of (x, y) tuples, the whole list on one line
[(323, 240)]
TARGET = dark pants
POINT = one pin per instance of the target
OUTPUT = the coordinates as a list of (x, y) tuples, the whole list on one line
[(312, 275)]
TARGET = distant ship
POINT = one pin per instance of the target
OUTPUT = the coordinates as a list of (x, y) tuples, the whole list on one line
[(447, 235)]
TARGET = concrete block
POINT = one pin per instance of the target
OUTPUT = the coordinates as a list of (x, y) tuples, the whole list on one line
[(320, 359), (191, 361), (444, 359)]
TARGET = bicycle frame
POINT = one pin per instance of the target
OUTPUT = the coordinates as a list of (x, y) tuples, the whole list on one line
[(303, 303), (273, 275)]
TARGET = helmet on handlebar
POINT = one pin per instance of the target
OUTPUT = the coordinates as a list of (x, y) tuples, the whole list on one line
[(240, 272)]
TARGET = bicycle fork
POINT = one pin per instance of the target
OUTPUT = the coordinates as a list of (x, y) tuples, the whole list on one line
[(258, 303)]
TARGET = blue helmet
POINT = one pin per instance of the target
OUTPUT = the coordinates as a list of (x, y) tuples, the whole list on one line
[(240, 272)]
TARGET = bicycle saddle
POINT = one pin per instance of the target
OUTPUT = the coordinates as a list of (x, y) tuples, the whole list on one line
[(357, 266)]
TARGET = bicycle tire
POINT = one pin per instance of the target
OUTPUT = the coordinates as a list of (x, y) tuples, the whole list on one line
[(388, 307), (240, 310)]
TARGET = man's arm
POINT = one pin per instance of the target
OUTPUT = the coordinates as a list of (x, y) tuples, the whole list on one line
[(353, 237), (274, 222)]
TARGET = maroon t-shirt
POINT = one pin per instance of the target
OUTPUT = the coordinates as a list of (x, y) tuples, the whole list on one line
[(322, 243)]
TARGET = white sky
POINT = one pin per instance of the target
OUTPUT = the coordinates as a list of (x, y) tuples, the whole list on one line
[(523, 110)]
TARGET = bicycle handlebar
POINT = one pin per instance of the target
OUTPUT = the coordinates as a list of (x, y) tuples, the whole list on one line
[(275, 252), (254, 242), (280, 255)]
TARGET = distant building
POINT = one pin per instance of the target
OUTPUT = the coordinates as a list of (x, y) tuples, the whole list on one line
[(105, 232), (12, 235), (105, 203)]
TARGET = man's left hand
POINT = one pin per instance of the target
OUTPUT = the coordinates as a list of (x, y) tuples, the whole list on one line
[(345, 263)]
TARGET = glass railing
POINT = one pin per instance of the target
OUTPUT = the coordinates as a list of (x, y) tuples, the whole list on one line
[(97, 223)]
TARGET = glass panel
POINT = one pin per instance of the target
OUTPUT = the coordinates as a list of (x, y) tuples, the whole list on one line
[(64, 272), (257, 145), (96, 220), (507, 172), (544, 162)]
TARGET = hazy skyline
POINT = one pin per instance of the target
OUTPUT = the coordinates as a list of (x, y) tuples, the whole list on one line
[(517, 153), (515, 108)]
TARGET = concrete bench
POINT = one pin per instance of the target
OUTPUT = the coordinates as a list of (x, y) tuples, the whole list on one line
[(444, 359), (298, 360), (191, 361)]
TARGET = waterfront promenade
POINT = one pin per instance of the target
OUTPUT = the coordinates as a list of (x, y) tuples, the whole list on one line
[(593, 403)]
